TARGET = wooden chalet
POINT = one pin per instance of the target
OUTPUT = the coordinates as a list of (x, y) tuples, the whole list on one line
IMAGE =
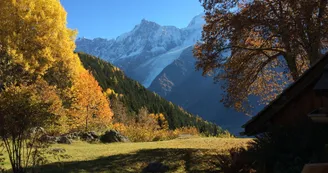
[(308, 96)]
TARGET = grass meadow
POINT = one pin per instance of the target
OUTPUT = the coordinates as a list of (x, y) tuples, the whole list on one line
[(195, 154)]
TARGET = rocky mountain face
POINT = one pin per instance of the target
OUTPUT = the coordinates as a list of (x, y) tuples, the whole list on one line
[(160, 58), (146, 50)]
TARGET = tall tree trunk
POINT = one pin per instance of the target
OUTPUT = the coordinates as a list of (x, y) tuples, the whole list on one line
[(86, 119), (291, 63), (314, 52), (290, 57)]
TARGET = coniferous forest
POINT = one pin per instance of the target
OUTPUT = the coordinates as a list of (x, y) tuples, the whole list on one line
[(134, 96)]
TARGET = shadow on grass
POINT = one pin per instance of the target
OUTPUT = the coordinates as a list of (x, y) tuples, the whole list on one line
[(178, 160)]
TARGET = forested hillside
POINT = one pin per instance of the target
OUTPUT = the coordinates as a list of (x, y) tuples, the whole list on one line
[(180, 83), (134, 96)]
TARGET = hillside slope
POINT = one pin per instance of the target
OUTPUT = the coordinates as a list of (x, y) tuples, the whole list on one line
[(180, 83), (135, 96)]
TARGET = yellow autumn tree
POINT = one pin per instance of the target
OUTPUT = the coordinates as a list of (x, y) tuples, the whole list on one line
[(91, 107), (34, 42), (162, 122)]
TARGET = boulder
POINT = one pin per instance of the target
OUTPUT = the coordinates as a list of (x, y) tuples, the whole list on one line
[(156, 167), (48, 139), (75, 136), (94, 135), (64, 140), (113, 136), (86, 137)]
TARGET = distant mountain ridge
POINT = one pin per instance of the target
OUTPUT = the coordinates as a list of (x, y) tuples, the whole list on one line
[(146, 50)]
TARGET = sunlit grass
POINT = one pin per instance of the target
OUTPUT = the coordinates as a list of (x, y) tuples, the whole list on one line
[(181, 155)]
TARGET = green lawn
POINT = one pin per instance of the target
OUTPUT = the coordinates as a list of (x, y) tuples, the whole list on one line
[(181, 155)]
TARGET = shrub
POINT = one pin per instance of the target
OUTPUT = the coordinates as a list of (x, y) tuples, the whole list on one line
[(225, 134), (138, 133), (151, 131), (59, 128), (187, 130), (162, 135), (118, 126), (23, 111), (146, 127)]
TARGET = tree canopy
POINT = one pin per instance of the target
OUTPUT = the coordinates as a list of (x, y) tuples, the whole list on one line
[(259, 46), (91, 106), (36, 41), (36, 45)]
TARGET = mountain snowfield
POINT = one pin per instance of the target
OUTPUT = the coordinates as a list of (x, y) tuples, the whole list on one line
[(146, 50), (160, 58)]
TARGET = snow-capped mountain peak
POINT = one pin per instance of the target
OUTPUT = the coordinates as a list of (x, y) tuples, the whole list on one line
[(145, 21), (197, 21), (147, 49)]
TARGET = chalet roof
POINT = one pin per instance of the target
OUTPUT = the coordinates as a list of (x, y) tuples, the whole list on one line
[(309, 77)]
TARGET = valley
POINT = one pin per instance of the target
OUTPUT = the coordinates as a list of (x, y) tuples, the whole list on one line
[(163, 86), (161, 59)]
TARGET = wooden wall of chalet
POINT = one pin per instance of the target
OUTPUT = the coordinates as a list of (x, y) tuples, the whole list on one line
[(299, 107)]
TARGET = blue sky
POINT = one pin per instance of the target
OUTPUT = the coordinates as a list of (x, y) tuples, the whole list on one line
[(111, 18)]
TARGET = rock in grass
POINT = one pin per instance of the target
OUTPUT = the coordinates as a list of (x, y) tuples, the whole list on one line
[(86, 136), (89, 136), (64, 140), (48, 139), (156, 167), (75, 136), (94, 135), (113, 136)]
